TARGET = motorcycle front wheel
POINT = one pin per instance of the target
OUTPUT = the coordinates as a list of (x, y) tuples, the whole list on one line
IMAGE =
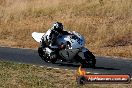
[(89, 60)]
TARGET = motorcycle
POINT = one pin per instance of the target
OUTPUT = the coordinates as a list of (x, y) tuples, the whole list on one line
[(68, 48)]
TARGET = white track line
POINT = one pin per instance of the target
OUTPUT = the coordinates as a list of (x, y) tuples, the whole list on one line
[(96, 73), (19, 63), (49, 67), (66, 69), (60, 68), (56, 68), (41, 66), (34, 65)]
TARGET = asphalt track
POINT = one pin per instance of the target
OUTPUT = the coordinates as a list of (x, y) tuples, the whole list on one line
[(105, 65)]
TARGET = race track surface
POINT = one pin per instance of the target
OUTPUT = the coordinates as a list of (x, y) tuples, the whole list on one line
[(104, 64)]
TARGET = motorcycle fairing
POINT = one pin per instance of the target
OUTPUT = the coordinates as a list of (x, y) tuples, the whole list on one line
[(76, 40), (68, 54)]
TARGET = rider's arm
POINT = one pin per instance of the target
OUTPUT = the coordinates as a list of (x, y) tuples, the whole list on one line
[(47, 35)]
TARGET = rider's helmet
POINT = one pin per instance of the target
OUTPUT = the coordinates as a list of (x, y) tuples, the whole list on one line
[(58, 26)]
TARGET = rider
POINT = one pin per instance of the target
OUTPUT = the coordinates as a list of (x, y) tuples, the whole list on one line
[(52, 34)]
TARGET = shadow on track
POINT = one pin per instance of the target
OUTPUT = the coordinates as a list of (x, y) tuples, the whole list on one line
[(67, 64), (106, 68), (75, 65)]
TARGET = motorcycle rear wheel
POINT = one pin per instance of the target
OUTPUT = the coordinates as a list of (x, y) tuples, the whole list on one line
[(46, 59), (41, 54)]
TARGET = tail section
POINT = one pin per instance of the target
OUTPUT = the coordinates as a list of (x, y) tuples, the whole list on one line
[(37, 36)]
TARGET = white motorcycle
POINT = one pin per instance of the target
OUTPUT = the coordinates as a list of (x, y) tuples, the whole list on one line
[(69, 48)]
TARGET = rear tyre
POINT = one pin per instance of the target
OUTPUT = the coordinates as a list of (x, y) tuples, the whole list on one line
[(40, 51), (41, 54)]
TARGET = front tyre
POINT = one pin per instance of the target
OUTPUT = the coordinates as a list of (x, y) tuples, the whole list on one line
[(81, 80), (88, 60), (40, 51)]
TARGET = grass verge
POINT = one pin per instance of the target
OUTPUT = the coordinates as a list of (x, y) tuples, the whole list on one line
[(105, 24), (14, 75)]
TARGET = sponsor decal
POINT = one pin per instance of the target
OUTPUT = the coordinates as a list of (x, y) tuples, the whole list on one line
[(83, 77)]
